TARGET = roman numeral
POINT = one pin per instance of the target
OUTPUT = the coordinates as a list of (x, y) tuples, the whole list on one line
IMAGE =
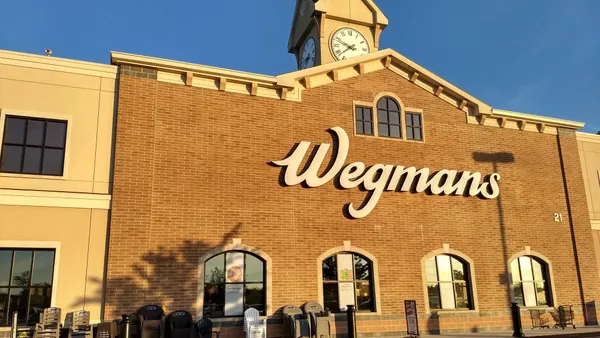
[(365, 50), (362, 42), (350, 33), (343, 34), (338, 52), (336, 45)]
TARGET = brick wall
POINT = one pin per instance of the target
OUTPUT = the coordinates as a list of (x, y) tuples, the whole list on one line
[(192, 172)]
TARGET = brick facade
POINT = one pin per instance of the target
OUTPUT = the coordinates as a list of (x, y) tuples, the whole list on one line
[(192, 172)]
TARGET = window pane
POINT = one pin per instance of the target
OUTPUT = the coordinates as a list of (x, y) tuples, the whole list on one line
[(447, 295), (359, 128), (35, 133), (394, 117), (395, 131), (518, 293), (368, 128), (462, 296), (409, 133), (330, 268), (514, 270), (367, 114), (38, 301), (361, 268), (359, 114), (5, 264), (458, 269), (19, 298), (21, 268), (382, 115), (538, 274), (417, 134), (526, 271), (43, 265), (330, 297), (416, 120), (392, 105), (53, 161), (255, 297), (529, 294), (14, 130), (254, 269), (3, 306), (56, 133), (434, 296), (444, 269), (540, 290), (214, 270), (11, 159), (431, 270), (32, 161), (214, 298), (383, 130), (382, 104), (363, 297)]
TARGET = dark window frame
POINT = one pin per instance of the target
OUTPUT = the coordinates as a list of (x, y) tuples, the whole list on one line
[(545, 280), (388, 124), (225, 283), (30, 319), (370, 281), (362, 121), (411, 127), (23, 144), (467, 282)]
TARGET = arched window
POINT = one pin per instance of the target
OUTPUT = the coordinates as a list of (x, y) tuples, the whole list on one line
[(233, 282), (388, 117), (448, 283), (348, 280), (530, 284)]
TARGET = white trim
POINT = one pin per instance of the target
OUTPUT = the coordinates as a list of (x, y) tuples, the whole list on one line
[(54, 199), (595, 224), (40, 245)]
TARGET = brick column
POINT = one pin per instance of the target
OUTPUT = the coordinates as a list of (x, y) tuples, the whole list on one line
[(579, 218), (132, 192)]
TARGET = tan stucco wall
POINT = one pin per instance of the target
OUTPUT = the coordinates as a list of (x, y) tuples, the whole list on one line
[(79, 237), (589, 152), (80, 92), (68, 213)]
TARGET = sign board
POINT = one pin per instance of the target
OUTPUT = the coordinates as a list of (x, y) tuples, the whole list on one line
[(379, 178), (234, 299), (412, 323)]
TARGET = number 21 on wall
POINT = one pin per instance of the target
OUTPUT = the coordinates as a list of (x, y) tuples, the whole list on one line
[(558, 217)]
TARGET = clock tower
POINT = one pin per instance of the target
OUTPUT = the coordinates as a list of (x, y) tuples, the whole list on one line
[(325, 31)]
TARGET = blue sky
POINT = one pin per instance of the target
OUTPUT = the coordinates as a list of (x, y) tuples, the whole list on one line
[(536, 56)]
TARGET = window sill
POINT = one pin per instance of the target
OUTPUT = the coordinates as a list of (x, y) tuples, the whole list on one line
[(389, 138), (33, 176)]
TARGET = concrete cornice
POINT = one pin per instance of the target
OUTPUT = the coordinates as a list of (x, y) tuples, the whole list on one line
[(587, 137), (57, 64), (548, 121)]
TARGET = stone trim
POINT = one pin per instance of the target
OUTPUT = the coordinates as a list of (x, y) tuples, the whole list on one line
[(236, 245), (446, 250), (137, 71)]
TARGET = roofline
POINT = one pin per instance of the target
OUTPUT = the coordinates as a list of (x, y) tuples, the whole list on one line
[(57, 64), (551, 121), (118, 58)]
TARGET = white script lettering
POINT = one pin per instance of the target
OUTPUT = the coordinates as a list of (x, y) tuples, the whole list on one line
[(379, 177)]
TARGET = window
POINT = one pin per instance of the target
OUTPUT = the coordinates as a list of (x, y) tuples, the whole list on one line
[(388, 116), (414, 131), (33, 146), (25, 284), (364, 121), (530, 282), (448, 283), (348, 280), (233, 282)]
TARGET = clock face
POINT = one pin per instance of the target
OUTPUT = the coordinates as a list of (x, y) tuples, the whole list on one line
[(347, 43), (309, 53)]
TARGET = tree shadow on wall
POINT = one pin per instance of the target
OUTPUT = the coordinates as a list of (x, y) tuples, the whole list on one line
[(167, 277)]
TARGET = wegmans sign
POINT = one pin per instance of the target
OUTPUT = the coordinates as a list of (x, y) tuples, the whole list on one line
[(380, 177)]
